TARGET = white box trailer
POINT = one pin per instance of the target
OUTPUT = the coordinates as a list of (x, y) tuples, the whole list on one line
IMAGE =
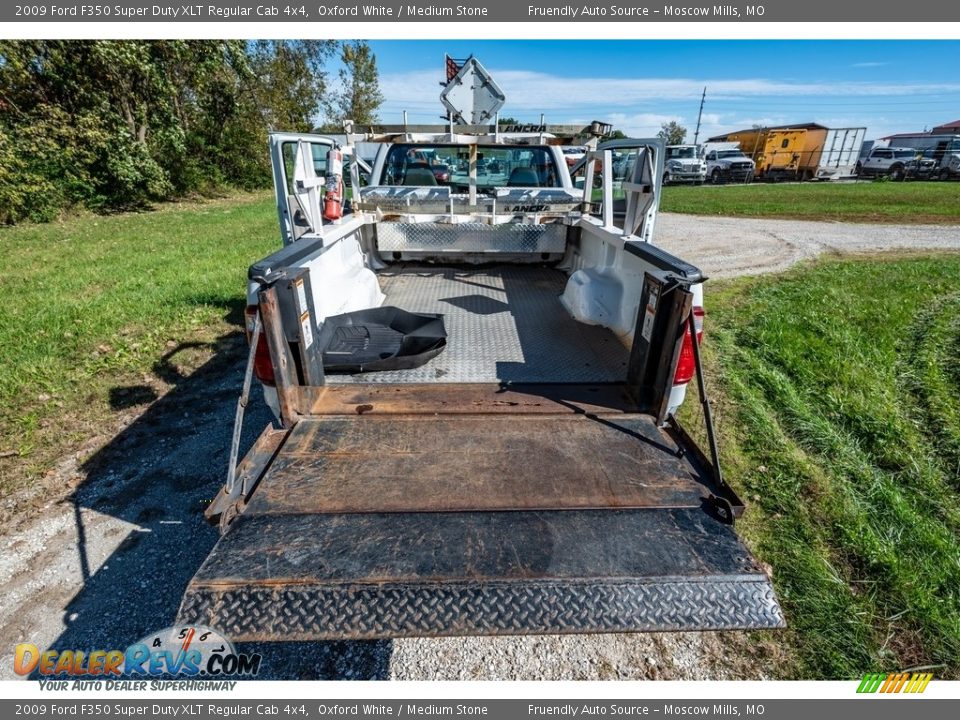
[(841, 150)]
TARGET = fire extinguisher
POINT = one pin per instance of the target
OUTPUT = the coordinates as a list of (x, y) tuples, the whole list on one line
[(333, 199)]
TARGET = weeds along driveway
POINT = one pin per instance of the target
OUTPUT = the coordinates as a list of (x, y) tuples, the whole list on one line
[(109, 564)]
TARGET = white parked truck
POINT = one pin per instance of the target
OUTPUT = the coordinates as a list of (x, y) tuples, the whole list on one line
[(684, 164), (726, 162), (942, 149), (897, 163), (475, 377)]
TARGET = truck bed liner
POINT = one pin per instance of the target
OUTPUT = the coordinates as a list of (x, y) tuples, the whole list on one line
[(389, 525), (504, 323)]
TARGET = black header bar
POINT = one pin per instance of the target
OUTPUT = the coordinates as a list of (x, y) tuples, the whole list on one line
[(479, 11)]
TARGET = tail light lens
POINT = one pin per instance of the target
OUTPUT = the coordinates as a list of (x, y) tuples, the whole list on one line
[(686, 365), (262, 364)]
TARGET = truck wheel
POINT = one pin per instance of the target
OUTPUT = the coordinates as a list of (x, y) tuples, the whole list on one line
[(944, 174), (859, 170), (716, 177), (666, 178), (897, 173)]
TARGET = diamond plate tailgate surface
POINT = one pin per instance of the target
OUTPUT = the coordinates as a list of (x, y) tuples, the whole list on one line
[(386, 526)]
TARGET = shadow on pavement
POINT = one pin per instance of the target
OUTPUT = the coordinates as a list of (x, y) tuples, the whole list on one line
[(157, 476)]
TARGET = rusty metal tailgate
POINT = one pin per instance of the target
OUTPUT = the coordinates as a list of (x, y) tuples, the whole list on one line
[(390, 525)]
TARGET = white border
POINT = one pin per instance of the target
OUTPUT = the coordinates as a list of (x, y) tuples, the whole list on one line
[(541, 30)]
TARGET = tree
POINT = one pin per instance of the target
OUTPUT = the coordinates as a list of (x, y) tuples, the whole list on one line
[(286, 81), (120, 123), (271, 85), (616, 135), (359, 96), (672, 133)]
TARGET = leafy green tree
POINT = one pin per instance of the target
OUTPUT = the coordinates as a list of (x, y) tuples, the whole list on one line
[(672, 133), (286, 81), (121, 123), (359, 96)]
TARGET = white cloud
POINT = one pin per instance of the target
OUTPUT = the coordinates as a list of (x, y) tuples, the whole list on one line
[(636, 124), (869, 64), (528, 91), (639, 106)]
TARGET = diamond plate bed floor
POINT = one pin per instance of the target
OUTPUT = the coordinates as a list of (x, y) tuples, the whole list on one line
[(503, 323)]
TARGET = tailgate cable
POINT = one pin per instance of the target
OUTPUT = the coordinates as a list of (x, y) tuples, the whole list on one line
[(723, 505), (241, 406)]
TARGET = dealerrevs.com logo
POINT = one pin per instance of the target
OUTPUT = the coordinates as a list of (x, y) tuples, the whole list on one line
[(185, 652)]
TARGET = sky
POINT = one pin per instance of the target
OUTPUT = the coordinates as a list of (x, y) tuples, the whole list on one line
[(885, 86)]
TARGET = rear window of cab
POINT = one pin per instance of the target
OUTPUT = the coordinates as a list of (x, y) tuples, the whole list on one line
[(449, 166)]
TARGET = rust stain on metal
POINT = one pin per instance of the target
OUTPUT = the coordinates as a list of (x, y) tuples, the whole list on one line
[(464, 399), (283, 365), (392, 463), (249, 472)]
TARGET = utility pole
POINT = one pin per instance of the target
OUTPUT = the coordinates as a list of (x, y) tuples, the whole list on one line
[(703, 97)]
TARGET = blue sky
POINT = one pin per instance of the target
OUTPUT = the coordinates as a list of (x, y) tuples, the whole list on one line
[(887, 86)]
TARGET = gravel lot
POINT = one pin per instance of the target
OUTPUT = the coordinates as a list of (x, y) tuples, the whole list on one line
[(726, 247), (108, 563)]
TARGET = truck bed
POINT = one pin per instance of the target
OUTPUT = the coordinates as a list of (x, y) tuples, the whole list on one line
[(504, 323)]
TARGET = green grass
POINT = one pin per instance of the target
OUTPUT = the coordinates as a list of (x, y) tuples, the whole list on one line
[(840, 423), (93, 302), (904, 202)]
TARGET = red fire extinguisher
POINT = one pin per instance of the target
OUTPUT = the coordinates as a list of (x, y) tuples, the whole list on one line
[(333, 199)]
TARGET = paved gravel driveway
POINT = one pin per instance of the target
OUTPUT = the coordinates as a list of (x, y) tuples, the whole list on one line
[(109, 563), (726, 247)]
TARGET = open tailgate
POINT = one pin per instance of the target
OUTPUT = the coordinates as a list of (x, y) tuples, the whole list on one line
[(475, 509)]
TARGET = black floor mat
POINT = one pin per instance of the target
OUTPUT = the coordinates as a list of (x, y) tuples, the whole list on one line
[(384, 338)]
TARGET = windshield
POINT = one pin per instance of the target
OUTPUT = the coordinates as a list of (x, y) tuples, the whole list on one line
[(674, 153), (729, 153), (449, 166)]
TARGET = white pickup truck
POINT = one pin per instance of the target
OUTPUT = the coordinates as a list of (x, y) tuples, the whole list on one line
[(726, 162), (683, 164), (475, 375), (896, 163)]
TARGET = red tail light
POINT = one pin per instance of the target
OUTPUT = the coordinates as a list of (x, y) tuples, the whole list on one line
[(262, 364), (686, 365)]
